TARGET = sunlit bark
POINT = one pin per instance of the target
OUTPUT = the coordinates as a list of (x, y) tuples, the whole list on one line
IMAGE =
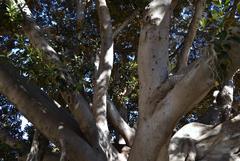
[(83, 133)]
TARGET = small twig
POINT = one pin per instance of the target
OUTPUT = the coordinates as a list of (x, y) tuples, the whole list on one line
[(63, 151)]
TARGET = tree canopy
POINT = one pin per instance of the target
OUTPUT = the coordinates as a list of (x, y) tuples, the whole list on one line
[(100, 71)]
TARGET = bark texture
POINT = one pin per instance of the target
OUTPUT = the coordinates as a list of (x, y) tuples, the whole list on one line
[(196, 141), (83, 134), (35, 105)]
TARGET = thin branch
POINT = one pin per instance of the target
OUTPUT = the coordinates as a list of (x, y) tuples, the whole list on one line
[(119, 124), (105, 66), (38, 148), (124, 24), (81, 5), (192, 30), (80, 15), (63, 151)]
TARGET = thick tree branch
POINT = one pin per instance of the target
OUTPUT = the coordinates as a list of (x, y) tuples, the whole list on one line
[(35, 105), (167, 111), (206, 141), (78, 105), (119, 124), (192, 30), (184, 96), (153, 51), (81, 111), (223, 139), (152, 69)]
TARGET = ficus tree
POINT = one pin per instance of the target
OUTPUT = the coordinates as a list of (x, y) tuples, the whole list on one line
[(118, 80)]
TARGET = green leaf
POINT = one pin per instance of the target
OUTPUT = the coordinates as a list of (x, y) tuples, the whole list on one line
[(227, 2), (203, 22), (215, 15), (217, 3), (238, 8), (12, 11)]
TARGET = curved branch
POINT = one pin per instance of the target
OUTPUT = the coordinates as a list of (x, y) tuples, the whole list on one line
[(119, 124), (220, 142), (78, 105), (45, 115), (160, 92)]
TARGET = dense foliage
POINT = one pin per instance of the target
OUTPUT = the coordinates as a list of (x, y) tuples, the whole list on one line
[(78, 42)]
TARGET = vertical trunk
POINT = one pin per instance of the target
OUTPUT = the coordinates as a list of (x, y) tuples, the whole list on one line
[(153, 135), (153, 52), (152, 68)]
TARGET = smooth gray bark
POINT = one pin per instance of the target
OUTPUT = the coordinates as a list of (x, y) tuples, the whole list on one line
[(162, 99), (35, 105), (196, 141)]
